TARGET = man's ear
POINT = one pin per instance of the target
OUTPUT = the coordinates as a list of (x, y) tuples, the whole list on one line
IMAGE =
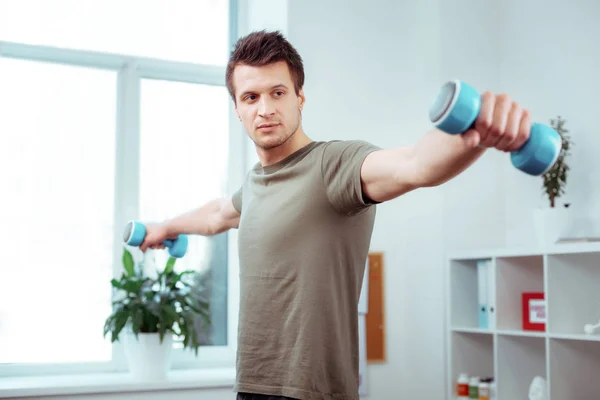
[(301, 99)]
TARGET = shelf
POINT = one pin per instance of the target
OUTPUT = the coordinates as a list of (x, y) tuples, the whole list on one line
[(560, 248), (574, 292), (472, 330), (563, 354), (520, 359), (574, 366), (533, 334), (473, 354), (521, 333), (463, 288), (582, 337), (514, 276)]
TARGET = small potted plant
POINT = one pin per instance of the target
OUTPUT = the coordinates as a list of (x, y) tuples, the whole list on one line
[(551, 220), (555, 180), (149, 310)]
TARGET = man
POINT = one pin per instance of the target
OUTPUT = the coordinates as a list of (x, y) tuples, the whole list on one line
[(305, 215)]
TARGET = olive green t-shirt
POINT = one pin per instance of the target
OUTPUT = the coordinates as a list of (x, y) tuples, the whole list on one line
[(304, 235)]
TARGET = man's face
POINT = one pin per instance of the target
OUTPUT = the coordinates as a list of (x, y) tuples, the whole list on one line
[(267, 104)]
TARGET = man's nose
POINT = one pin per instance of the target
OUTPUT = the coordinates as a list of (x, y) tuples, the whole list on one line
[(266, 108)]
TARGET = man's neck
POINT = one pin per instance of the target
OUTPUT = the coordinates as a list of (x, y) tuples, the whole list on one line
[(274, 155)]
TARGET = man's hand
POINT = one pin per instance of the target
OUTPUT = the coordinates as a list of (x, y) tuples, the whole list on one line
[(156, 234), (502, 124)]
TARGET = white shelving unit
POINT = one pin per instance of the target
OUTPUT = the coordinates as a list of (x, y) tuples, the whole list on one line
[(569, 359)]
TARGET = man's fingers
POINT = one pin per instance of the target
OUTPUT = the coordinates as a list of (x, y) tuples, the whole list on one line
[(502, 105), (524, 131), (512, 127), (486, 115), (472, 138)]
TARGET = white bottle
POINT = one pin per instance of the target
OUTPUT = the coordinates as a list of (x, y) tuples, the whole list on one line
[(474, 388), (462, 387), (484, 389), (493, 390)]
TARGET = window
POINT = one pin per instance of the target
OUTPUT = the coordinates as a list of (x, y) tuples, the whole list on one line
[(183, 30), (57, 160), (139, 130), (183, 163)]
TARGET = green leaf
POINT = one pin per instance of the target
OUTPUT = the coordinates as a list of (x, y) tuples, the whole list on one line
[(131, 286), (205, 317), (171, 313), (191, 332), (120, 321), (137, 319), (151, 322), (115, 283), (108, 324), (170, 265), (128, 263)]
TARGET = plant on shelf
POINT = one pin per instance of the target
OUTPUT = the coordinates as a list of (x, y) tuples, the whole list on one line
[(555, 180), (149, 310)]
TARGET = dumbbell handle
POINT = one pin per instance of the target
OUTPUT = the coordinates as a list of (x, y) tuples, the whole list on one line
[(135, 232), (456, 108)]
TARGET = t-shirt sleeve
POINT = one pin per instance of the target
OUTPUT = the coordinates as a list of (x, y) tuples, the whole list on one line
[(236, 198), (341, 165)]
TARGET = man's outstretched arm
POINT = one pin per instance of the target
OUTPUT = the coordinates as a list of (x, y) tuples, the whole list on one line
[(439, 157), (212, 218)]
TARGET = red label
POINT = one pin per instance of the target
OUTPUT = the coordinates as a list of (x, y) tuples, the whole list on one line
[(462, 389), (533, 311)]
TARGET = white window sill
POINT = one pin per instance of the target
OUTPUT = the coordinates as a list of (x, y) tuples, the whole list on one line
[(49, 385)]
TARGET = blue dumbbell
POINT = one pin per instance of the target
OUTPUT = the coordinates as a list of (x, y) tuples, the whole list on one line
[(135, 232), (456, 108)]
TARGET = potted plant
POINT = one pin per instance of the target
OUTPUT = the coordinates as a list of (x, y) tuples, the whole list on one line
[(149, 310), (555, 180), (551, 220)]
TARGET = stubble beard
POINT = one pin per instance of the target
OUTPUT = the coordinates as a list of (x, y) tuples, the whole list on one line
[(281, 140)]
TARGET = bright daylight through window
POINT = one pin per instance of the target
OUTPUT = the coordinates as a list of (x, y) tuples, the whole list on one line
[(182, 30), (57, 160), (63, 159), (183, 164)]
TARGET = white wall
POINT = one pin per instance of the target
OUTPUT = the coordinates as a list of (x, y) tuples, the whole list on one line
[(544, 54), (560, 77)]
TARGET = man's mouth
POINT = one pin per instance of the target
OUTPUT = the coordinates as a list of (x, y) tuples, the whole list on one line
[(267, 127)]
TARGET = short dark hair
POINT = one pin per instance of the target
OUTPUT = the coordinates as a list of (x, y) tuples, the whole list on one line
[(262, 48)]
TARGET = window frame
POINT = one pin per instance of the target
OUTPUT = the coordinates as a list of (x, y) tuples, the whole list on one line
[(130, 72)]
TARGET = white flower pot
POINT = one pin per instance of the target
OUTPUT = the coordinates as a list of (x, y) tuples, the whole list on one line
[(148, 359), (549, 224)]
